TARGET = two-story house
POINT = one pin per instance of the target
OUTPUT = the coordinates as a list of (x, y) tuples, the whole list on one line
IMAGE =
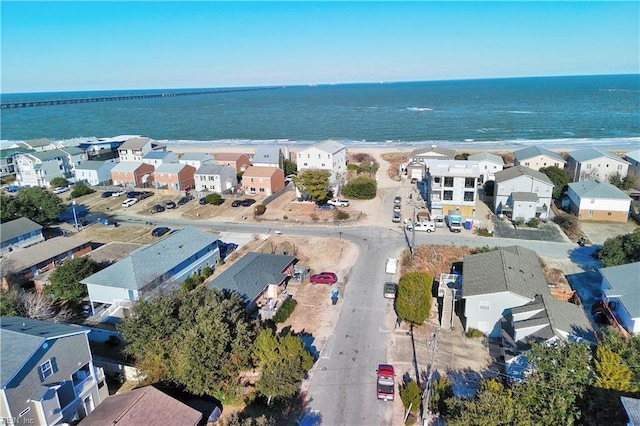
[(451, 185), (157, 158), (19, 233), (601, 201), (47, 373), (174, 176), (420, 159), (196, 159), (328, 155), (137, 147), (267, 156), (210, 177), (262, 180), (39, 168), (522, 193), (103, 149), (132, 174), (620, 289), (488, 165), (237, 160), (95, 172), (633, 158), (536, 158), (593, 163), (8, 164)]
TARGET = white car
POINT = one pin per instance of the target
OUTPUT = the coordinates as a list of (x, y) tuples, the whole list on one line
[(118, 193), (60, 189), (338, 203), (129, 202)]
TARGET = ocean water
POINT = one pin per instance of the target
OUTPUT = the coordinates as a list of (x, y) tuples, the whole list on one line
[(562, 111)]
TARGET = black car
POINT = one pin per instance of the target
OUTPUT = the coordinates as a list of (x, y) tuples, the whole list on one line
[(107, 194), (169, 204), (133, 194), (144, 194), (157, 209), (203, 201), (159, 232), (324, 207), (236, 203), (184, 200), (248, 202)]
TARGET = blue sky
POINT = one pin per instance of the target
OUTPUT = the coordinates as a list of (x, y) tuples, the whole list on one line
[(68, 46)]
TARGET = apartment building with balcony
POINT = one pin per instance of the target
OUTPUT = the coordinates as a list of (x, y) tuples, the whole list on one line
[(135, 148), (38, 168), (451, 185)]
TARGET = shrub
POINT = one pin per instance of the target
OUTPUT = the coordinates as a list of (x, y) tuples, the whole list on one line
[(113, 341), (568, 223), (206, 272), (314, 217), (81, 190), (341, 215), (285, 217), (442, 391), (533, 222), (483, 232), (285, 311), (410, 395), (474, 333), (260, 209), (188, 284), (59, 181), (352, 167), (214, 199), (360, 188)]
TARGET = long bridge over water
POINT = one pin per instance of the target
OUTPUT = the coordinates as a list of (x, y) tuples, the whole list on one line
[(28, 104)]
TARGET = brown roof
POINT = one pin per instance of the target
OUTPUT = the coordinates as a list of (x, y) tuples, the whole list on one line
[(253, 171), (228, 156), (143, 406), (134, 143), (23, 258)]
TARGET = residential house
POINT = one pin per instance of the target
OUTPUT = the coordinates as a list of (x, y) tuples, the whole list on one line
[(196, 159), (267, 156), (143, 406), (95, 172), (38, 145), (260, 278), (595, 200), (328, 155), (420, 159), (620, 291), (8, 164), (32, 263), (48, 375), (39, 168), (156, 158), (633, 158), (517, 181), (135, 148), (488, 165), (174, 176), (210, 177), (103, 149), (451, 185), (536, 158), (19, 233), (592, 163), (632, 409), (151, 269), (132, 174), (236, 160), (262, 180)]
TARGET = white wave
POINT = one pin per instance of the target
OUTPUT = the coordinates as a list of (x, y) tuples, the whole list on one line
[(520, 112), (419, 109)]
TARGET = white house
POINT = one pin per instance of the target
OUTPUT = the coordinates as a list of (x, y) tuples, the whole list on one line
[(620, 290), (488, 165), (452, 185), (536, 158), (214, 178), (594, 200), (8, 156), (420, 160), (135, 148), (592, 163), (267, 156), (328, 155), (633, 158), (95, 172), (157, 158), (518, 180), (38, 168), (196, 159)]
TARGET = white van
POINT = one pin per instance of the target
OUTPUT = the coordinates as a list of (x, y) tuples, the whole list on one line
[(392, 265), (425, 226)]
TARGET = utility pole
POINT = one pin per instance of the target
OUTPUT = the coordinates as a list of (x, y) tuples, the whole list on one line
[(413, 229), (427, 390)]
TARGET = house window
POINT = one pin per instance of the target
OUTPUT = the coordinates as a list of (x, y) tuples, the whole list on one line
[(261, 189), (323, 165), (588, 166), (469, 182), (319, 156), (526, 164), (25, 411), (590, 213), (46, 369), (448, 195), (448, 181), (484, 306), (619, 166), (308, 155), (468, 196)]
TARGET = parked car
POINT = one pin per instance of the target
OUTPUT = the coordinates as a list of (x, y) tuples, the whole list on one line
[(60, 189), (157, 208), (324, 207), (184, 200), (86, 310), (338, 203), (169, 204), (144, 194), (248, 202), (324, 278), (118, 193), (12, 188), (397, 218), (390, 290), (397, 200), (386, 382), (129, 202), (106, 194), (160, 231), (397, 209), (236, 203), (202, 201)]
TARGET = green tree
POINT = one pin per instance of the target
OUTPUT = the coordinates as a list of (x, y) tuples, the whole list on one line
[(36, 204), (442, 391), (290, 168), (314, 183), (559, 178), (493, 405), (80, 190), (284, 362), (59, 181), (413, 300), (214, 199), (64, 281), (411, 395), (620, 250), (360, 188), (623, 183), (8, 303), (611, 371)]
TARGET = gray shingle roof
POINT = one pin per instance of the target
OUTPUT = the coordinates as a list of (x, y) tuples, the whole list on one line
[(517, 171), (534, 151), (172, 168), (157, 155), (195, 156), (21, 337), (524, 196), (251, 274), (596, 189), (151, 261), (72, 150), (48, 155), (94, 165), (19, 260), (633, 155), (135, 143), (487, 157), (437, 152), (632, 407), (14, 228), (586, 154), (330, 147), (624, 283), (126, 166), (267, 154), (512, 269), (213, 169), (36, 143)]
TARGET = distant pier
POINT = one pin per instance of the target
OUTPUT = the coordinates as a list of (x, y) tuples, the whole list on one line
[(29, 104)]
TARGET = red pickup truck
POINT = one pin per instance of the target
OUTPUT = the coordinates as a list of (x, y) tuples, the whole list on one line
[(386, 382)]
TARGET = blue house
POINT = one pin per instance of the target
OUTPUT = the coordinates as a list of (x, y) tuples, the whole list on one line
[(19, 233)]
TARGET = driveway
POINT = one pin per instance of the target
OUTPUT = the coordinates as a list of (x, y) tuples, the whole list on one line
[(545, 232), (598, 232)]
